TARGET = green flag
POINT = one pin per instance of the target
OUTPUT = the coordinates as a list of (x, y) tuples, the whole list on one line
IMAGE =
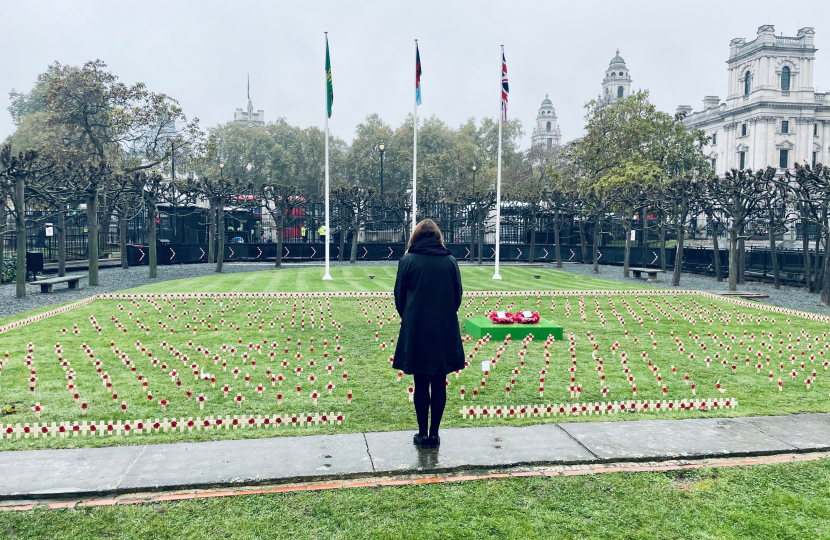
[(329, 87)]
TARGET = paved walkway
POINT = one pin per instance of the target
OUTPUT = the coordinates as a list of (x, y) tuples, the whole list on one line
[(281, 460)]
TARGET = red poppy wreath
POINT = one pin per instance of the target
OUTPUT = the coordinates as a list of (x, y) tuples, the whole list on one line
[(526, 317), (506, 319)]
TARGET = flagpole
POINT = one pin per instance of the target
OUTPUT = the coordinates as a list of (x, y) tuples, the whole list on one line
[(415, 154), (327, 275), (498, 167)]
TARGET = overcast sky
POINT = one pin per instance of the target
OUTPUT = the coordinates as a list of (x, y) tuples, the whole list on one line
[(199, 52)]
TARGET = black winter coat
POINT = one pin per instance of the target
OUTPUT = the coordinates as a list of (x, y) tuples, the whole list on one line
[(427, 297)]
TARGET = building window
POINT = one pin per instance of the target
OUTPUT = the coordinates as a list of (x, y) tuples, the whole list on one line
[(815, 130), (785, 78), (741, 160), (743, 132), (715, 138), (548, 126), (714, 163), (747, 83), (785, 126), (550, 143), (814, 159), (782, 158), (621, 74), (619, 91)]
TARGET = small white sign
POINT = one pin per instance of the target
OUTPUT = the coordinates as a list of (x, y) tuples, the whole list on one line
[(49, 230), (527, 313), (633, 235), (500, 314), (485, 365)]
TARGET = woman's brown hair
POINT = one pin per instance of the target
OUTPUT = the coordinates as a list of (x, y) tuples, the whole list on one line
[(425, 229)]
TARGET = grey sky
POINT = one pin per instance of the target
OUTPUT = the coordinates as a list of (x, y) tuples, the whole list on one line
[(200, 51)]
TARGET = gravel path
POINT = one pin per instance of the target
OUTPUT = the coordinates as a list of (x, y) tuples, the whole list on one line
[(116, 279), (787, 297)]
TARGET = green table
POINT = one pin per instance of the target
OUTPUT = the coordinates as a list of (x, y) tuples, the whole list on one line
[(480, 326)]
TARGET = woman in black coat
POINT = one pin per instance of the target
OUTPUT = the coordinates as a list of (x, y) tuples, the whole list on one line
[(427, 297)]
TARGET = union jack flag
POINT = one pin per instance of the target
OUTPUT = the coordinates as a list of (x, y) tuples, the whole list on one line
[(505, 88)]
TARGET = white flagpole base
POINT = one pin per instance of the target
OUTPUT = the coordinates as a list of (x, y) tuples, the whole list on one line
[(496, 276), (327, 277)]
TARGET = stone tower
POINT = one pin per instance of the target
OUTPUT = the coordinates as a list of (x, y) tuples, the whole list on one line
[(546, 132), (617, 81)]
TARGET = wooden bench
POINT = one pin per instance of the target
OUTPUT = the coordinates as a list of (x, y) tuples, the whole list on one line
[(72, 281), (651, 272)]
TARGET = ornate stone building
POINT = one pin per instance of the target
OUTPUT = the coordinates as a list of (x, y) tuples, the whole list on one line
[(546, 132), (249, 117), (772, 114), (617, 81)]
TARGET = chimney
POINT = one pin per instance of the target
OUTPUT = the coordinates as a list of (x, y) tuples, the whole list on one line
[(684, 108), (710, 102), (735, 45), (808, 35), (766, 34)]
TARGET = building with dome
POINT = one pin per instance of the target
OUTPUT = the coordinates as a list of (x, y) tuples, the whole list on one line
[(546, 132), (617, 81), (772, 115)]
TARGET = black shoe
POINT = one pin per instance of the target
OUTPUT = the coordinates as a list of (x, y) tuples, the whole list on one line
[(433, 441), (421, 441)]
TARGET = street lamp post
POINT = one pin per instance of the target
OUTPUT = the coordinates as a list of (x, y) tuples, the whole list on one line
[(474, 178), (382, 149)]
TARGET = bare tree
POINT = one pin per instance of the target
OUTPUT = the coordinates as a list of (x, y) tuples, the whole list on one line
[(281, 202), (738, 196)]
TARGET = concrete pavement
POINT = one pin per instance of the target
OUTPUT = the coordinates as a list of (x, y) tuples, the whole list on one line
[(165, 467)]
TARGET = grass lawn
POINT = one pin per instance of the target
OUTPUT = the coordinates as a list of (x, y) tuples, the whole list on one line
[(356, 278), (770, 502), (380, 400)]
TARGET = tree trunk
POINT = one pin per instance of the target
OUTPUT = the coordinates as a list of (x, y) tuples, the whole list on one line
[(644, 217), (742, 259), (825, 267), (104, 230), (557, 224), (61, 228), (152, 211), (92, 236), (776, 275), (819, 233), (20, 233), (473, 239), (220, 233), (353, 255), (597, 233), (629, 216), (211, 231), (716, 249), (805, 246), (280, 224), (662, 245), (825, 284), (342, 244), (733, 259), (122, 238), (582, 241), (481, 242), (2, 239), (678, 258), (532, 242)]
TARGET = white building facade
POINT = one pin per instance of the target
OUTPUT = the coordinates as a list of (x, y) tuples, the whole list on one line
[(772, 115), (546, 132)]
